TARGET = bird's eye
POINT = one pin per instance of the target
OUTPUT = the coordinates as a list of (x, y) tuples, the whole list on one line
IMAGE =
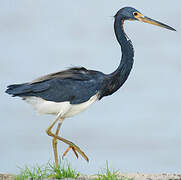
[(135, 14)]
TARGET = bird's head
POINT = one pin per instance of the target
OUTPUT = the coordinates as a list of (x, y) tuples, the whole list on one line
[(129, 13)]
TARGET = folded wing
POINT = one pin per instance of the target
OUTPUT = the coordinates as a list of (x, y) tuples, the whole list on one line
[(75, 85)]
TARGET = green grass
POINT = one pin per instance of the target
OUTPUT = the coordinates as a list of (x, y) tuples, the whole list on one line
[(47, 171), (107, 174), (36, 172), (63, 171)]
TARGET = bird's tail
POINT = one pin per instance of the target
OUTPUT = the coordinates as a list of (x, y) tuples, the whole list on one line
[(26, 89), (17, 89)]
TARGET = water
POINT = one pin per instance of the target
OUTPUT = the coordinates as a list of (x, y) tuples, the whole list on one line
[(137, 128)]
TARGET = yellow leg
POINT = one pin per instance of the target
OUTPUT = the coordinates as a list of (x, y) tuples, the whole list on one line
[(54, 143), (71, 145)]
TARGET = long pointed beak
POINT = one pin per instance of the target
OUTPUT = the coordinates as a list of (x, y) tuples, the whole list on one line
[(154, 22)]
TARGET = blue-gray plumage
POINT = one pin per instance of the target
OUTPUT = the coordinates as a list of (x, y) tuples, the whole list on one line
[(76, 85), (73, 90)]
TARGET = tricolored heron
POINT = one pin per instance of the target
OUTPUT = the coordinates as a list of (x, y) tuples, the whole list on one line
[(67, 93)]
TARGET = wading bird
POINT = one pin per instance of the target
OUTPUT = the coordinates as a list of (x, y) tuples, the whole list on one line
[(67, 93)]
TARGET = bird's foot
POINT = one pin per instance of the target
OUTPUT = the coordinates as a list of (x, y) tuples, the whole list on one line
[(68, 149), (76, 150)]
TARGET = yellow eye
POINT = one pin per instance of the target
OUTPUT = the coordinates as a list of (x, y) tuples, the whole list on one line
[(135, 14)]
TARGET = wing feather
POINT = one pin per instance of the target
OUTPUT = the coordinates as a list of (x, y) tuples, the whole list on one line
[(72, 73), (75, 85)]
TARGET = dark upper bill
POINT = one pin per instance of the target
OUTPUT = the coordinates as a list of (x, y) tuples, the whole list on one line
[(145, 19)]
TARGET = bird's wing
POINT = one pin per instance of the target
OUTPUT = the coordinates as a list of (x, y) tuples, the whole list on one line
[(75, 85), (72, 73)]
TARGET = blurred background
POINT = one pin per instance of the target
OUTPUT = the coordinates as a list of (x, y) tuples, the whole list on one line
[(138, 129)]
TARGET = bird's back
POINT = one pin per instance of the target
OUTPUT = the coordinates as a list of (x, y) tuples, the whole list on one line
[(75, 85)]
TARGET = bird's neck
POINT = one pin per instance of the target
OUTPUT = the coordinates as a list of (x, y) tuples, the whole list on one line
[(120, 75), (125, 66)]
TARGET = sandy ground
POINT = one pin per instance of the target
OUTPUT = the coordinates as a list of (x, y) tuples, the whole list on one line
[(134, 176), (163, 176)]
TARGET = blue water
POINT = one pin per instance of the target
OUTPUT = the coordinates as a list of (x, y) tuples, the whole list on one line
[(137, 129)]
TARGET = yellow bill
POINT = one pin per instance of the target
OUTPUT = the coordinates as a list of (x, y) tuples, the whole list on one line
[(145, 19)]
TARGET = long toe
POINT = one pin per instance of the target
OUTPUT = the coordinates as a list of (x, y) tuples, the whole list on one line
[(75, 149), (66, 151)]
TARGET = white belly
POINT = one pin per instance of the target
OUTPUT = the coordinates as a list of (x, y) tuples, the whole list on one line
[(65, 108)]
